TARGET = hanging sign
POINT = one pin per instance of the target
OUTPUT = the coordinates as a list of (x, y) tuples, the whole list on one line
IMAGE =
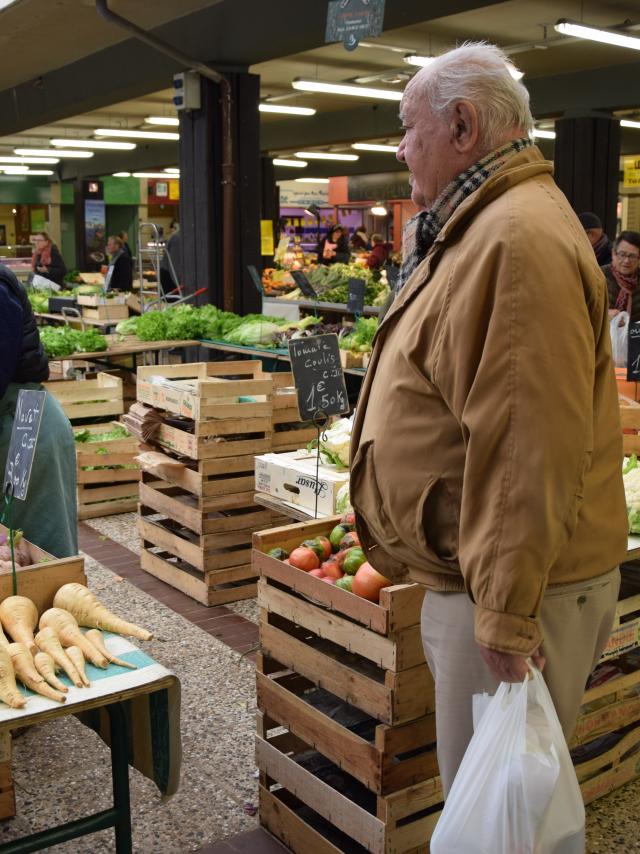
[(350, 21), (304, 284), (22, 447), (266, 237), (318, 376), (255, 278), (355, 301), (631, 172), (633, 353)]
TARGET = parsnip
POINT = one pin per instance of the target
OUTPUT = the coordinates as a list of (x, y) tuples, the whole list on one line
[(4, 641), (95, 636), (66, 627), (88, 611), (75, 654), (46, 668), (19, 616), (9, 692), (28, 675), (47, 640)]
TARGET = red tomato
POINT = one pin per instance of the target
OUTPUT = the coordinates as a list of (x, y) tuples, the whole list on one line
[(368, 583), (304, 558), (331, 569), (319, 573), (329, 580), (326, 545)]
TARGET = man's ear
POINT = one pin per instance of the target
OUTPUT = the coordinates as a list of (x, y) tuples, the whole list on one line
[(464, 127)]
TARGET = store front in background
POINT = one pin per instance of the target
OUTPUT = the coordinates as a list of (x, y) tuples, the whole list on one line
[(163, 204)]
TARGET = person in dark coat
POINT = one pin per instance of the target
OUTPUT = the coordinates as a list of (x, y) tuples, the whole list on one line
[(623, 275), (334, 248), (124, 237), (592, 225), (47, 260), (379, 253), (119, 276)]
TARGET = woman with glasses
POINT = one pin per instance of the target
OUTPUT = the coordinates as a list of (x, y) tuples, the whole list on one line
[(47, 260), (622, 275)]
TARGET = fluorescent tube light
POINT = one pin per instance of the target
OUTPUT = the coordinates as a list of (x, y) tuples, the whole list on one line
[(325, 155), (626, 123), (370, 146), (596, 34), (287, 111), (137, 134), (154, 175), (121, 175), (543, 134), (346, 89), (297, 164), (311, 180), (379, 210), (23, 161), (24, 170), (92, 143), (163, 120), (172, 170), (52, 152)]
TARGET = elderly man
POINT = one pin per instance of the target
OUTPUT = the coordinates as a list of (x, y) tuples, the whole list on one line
[(592, 225), (486, 450)]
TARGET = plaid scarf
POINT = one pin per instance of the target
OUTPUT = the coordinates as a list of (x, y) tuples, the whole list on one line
[(421, 231)]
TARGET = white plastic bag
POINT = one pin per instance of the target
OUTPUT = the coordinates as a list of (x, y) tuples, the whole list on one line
[(516, 791), (620, 338)]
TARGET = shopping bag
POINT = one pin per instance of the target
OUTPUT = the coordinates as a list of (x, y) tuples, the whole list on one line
[(619, 328), (516, 791)]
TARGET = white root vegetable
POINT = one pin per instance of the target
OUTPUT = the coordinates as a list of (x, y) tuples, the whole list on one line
[(95, 636), (66, 627), (88, 611), (19, 616), (9, 692), (75, 654), (48, 641), (4, 640), (45, 666), (26, 672)]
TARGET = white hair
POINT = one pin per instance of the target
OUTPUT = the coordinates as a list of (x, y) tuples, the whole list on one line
[(479, 72)]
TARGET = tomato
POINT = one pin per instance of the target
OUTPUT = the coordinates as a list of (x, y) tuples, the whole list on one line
[(304, 558), (315, 546), (326, 545), (279, 554), (337, 534), (349, 518), (329, 580), (349, 540), (318, 573), (353, 561), (340, 557), (368, 583), (331, 569)]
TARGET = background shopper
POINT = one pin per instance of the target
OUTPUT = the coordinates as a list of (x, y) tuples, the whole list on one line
[(623, 275), (46, 259), (334, 248), (119, 276), (379, 253), (592, 225)]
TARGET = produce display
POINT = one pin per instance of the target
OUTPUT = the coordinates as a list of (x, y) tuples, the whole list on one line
[(631, 480), (61, 341), (331, 283), (58, 645), (361, 339), (337, 559), (335, 444)]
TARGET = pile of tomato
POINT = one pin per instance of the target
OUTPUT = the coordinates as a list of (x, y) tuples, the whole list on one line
[(337, 559)]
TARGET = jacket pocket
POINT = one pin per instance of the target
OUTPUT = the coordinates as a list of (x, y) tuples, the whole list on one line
[(366, 498), (438, 521)]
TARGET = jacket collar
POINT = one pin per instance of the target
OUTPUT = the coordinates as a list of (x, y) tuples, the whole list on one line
[(522, 166)]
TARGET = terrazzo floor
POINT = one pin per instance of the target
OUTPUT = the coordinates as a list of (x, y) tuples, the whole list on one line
[(62, 769)]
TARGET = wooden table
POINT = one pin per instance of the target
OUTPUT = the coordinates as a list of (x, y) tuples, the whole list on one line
[(117, 346), (277, 355), (75, 321)]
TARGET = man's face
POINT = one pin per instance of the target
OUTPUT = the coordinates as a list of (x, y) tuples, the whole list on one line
[(111, 247), (594, 235), (426, 147), (627, 258)]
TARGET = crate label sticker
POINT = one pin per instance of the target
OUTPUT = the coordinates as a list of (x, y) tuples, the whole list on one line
[(24, 438)]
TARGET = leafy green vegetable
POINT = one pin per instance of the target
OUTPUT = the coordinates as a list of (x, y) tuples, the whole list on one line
[(60, 341), (152, 326), (106, 436), (129, 326), (360, 340)]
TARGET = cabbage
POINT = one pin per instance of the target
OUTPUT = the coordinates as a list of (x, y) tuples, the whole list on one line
[(129, 326), (335, 443), (343, 499)]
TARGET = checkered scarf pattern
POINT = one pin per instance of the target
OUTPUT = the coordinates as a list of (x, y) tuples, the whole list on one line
[(422, 229)]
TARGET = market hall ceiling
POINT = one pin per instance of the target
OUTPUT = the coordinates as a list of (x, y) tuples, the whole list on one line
[(59, 59)]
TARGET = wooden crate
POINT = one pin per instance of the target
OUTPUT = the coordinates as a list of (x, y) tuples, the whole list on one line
[(351, 360), (110, 490), (630, 418), (368, 654), (289, 432), (293, 798), (612, 768), (608, 707), (101, 397), (96, 300), (625, 633), (107, 311)]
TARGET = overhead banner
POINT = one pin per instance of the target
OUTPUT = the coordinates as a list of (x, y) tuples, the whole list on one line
[(350, 21), (631, 172)]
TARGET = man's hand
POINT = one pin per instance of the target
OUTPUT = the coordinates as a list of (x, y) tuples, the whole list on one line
[(509, 668)]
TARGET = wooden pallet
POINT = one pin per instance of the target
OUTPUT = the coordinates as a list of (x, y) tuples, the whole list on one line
[(289, 432), (353, 816), (101, 397)]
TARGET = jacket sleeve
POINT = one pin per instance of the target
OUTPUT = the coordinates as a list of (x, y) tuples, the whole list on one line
[(516, 367), (57, 267), (11, 318)]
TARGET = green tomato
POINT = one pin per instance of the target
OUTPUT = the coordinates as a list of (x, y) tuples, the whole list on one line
[(355, 557)]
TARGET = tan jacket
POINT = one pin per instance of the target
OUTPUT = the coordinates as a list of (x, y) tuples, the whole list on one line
[(487, 448)]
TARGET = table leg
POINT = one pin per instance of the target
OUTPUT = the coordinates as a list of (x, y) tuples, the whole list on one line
[(120, 775)]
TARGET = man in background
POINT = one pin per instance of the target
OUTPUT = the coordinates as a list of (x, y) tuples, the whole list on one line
[(592, 225)]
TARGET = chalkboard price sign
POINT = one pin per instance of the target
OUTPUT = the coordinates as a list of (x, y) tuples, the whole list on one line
[(318, 376), (22, 447), (255, 278), (633, 355), (304, 284), (355, 301)]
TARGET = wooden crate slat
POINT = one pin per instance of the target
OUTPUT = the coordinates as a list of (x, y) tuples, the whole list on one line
[(293, 831), (190, 552), (186, 444), (107, 508), (87, 494), (108, 476), (101, 397)]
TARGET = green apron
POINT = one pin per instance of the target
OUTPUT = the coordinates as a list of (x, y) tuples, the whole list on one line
[(48, 517)]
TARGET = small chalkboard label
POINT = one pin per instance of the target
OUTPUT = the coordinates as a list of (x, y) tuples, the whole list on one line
[(255, 278), (633, 355), (24, 436), (304, 284), (355, 301), (318, 376)]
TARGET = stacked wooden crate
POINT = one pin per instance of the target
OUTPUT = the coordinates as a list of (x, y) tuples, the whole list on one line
[(107, 474), (289, 432), (355, 768), (197, 512), (101, 307)]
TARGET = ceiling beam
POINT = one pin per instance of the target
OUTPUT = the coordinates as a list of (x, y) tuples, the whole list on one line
[(217, 35)]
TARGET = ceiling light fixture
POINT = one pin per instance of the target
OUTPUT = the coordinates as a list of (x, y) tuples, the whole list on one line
[(296, 164), (371, 146), (121, 175), (325, 155), (287, 111), (596, 34), (543, 134), (24, 170), (311, 180), (168, 121), (346, 89), (52, 152), (379, 209), (92, 143), (154, 175), (627, 123), (172, 170), (24, 161), (137, 134)]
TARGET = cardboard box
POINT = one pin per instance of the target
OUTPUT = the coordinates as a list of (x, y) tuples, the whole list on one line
[(291, 477)]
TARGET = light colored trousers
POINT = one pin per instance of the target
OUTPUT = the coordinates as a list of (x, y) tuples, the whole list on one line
[(575, 620)]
